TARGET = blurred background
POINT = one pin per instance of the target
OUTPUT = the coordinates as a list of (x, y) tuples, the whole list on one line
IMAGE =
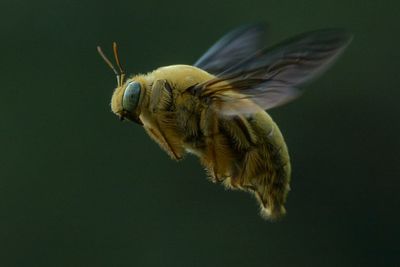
[(80, 188)]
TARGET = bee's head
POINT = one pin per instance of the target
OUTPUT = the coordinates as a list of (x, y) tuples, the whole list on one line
[(126, 97)]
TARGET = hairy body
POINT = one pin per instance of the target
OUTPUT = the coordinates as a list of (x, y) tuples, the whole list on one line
[(247, 152), (216, 108)]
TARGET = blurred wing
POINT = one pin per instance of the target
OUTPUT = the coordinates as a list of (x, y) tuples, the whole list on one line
[(271, 77), (232, 48)]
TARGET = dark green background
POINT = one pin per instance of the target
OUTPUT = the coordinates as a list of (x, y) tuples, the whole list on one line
[(79, 188)]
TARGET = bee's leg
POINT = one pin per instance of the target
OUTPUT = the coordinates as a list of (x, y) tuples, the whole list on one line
[(209, 128), (161, 96), (218, 155), (163, 119), (244, 145)]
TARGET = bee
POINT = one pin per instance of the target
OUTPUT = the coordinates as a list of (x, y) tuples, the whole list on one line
[(216, 109)]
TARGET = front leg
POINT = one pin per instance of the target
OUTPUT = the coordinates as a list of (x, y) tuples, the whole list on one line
[(162, 126), (161, 97)]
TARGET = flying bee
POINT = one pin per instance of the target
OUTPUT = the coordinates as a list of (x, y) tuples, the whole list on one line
[(215, 109)]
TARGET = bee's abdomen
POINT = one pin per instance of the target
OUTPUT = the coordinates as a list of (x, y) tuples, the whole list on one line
[(247, 153), (261, 163)]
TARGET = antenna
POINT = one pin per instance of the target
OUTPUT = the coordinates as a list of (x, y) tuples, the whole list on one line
[(115, 48), (111, 65)]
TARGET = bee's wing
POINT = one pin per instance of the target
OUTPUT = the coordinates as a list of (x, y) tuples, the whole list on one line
[(232, 48), (271, 77)]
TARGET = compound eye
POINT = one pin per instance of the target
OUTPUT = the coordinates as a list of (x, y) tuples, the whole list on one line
[(131, 96)]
